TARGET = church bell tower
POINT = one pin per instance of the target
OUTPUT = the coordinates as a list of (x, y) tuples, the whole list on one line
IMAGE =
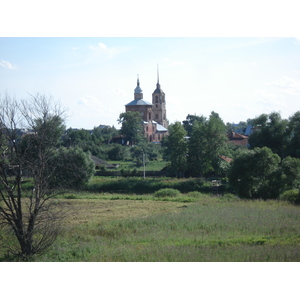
[(159, 112)]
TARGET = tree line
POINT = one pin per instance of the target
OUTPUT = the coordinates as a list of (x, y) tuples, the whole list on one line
[(267, 168)]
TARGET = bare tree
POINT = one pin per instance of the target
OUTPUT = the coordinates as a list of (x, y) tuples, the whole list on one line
[(29, 213)]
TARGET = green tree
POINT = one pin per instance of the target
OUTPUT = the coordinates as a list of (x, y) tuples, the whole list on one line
[(270, 131), (293, 135), (70, 168), (189, 122), (217, 141), (132, 127), (118, 152), (30, 216), (104, 134), (139, 155), (256, 174), (206, 144), (175, 146), (198, 164), (290, 173)]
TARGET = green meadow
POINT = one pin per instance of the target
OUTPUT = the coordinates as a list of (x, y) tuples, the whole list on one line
[(169, 225)]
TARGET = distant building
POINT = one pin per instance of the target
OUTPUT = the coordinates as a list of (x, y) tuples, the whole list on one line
[(154, 114), (238, 139), (101, 126)]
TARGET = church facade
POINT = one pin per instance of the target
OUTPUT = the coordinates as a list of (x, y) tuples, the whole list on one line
[(154, 114)]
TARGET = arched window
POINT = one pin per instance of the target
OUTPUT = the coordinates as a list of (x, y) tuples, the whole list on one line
[(156, 99)]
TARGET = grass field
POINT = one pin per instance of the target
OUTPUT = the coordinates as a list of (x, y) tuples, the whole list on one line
[(190, 228)]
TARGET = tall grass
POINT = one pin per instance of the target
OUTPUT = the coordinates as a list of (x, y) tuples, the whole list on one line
[(209, 229)]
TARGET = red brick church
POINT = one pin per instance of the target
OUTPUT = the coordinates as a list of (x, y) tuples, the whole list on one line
[(154, 114)]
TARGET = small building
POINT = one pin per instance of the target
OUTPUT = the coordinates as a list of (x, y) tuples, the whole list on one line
[(237, 139)]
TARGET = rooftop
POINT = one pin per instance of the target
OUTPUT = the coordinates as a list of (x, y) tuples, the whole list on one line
[(139, 102)]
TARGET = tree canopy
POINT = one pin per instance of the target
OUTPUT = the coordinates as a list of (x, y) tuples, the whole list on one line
[(175, 147), (254, 173), (132, 126)]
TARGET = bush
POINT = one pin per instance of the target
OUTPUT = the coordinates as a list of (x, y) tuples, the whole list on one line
[(292, 196), (229, 197), (167, 192), (195, 194)]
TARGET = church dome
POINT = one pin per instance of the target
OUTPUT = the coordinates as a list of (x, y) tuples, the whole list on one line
[(138, 90), (158, 89)]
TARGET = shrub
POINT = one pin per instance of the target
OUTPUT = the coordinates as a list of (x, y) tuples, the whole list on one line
[(167, 192), (229, 197), (195, 194), (292, 196)]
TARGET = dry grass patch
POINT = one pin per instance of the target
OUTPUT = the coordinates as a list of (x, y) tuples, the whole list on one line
[(98, 211)]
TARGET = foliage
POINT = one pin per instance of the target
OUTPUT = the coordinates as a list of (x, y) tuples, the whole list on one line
[(136, 185), (131, 126), (206, 144), (255, 174), (166, 192), (198, 163), (118, 152), (94, 141), (270, 131), (175, 147), (29, 216), (293, 136), (240, 127), (292, 196), (290, 173), (189, 122), (71, 168)]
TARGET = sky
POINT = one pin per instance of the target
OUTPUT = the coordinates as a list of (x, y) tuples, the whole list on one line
[(94, 77)]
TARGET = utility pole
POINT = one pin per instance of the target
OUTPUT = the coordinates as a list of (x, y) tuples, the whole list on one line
[(144, 165)]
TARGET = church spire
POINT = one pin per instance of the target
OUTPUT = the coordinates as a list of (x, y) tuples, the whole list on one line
[(138, 92), (157, 85)]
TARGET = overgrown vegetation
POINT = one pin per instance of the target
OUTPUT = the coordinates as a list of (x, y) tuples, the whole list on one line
[(195, 227)]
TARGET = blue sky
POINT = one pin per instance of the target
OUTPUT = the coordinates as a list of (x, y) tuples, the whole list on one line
[(94, 78), (239, 78), (237, 58)]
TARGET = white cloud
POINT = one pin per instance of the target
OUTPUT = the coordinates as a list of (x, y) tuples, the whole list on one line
[(118, 92), (89, 100), (7, 65), (109, 52), (287, 85)]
